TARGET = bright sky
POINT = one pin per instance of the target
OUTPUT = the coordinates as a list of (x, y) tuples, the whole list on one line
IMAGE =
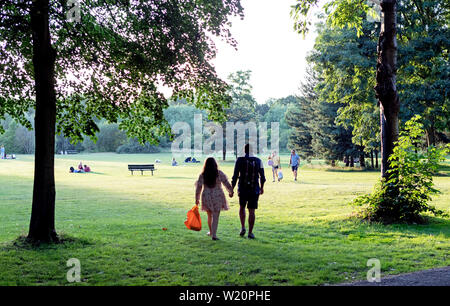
[(269, 47)]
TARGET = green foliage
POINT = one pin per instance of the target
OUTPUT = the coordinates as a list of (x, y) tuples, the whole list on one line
[(346, 64), (406, 193), (341, 13), (315, 130), (133, 146), (113, 63), (277, 113), (110, 137), (8, 138), (300, 116), (243, 105), (424, 67)]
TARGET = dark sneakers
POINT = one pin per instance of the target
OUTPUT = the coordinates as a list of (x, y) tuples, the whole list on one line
[(242, 233), (251, 236)]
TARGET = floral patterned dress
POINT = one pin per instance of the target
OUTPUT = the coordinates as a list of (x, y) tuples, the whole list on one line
[(213, 199)]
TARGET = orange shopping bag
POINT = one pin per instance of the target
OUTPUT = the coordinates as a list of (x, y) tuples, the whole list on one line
[(193, 220)]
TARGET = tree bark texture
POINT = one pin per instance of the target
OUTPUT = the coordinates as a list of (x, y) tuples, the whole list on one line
[(386, 89), (42, 223)]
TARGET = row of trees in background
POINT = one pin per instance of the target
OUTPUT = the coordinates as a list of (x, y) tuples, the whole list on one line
[(110, 138), (337, 115)]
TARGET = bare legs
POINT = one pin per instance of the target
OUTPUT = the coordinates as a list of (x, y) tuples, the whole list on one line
[(251, 218), (242, 216), (209, 221), (213, 222)]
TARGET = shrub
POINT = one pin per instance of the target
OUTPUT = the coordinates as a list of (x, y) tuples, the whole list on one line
[(406, 193), (133, 146)]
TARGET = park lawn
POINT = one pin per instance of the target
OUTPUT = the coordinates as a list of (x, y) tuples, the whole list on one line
[(113, 223)]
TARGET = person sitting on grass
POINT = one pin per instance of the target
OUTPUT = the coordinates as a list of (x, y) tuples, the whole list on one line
[(80, 166), (174, 162), (73, 170), (209, 186), (87, 168)]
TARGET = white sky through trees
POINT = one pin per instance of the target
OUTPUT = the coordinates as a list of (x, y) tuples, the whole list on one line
[(269, 47)]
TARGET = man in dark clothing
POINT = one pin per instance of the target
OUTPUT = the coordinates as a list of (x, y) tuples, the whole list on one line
[(250, 172)]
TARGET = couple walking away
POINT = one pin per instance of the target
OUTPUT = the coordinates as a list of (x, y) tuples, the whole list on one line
[(250, 173)]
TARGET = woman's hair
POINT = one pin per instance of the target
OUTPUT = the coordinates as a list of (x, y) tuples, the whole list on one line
[(210, 172)]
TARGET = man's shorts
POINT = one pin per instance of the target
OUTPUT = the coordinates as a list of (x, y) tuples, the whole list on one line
[(251, 200), (294, 168)]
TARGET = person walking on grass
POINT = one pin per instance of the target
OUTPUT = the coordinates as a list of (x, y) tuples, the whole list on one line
[(249, 171), (209, 189), (276, 165), (294, 162)]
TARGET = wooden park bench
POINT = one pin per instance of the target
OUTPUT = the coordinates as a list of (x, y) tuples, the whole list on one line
[(142, 168)]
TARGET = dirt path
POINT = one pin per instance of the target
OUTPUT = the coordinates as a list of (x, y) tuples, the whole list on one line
[(432, 277)]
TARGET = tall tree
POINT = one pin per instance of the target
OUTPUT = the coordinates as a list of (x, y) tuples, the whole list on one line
[(424, 66), (111, 64), (347, 65), (300, 116), (243, 104), (351, 13)]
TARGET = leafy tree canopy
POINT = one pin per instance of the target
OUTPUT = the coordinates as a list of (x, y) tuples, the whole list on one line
[(114, 62)]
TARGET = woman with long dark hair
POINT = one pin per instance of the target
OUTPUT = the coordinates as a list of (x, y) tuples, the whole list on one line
[(209, 185)]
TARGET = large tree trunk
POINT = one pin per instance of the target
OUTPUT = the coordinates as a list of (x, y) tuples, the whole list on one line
[(362, 161), (431, 136), (371, 160), (347, 160), (376, 159), (42, 224), (386, 89)]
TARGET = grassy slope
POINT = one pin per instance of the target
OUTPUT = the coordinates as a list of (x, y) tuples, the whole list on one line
[(115, 222)]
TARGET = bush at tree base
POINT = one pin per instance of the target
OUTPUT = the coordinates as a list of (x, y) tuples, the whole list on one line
[(405, 194)]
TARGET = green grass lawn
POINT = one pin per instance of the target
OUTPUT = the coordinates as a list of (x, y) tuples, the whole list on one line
[(113, 223)]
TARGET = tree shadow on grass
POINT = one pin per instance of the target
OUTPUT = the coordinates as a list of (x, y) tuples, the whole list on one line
[(350, 170), (434, 226), (65, 241)]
